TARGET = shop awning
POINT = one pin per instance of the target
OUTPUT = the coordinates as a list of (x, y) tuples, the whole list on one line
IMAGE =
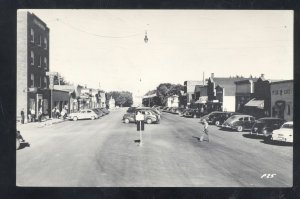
[(256, 103)]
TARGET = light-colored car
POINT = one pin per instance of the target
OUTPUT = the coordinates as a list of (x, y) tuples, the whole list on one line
[(83, 114), (284, 134)]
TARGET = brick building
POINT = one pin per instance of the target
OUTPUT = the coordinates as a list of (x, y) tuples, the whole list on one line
[(32, 64)]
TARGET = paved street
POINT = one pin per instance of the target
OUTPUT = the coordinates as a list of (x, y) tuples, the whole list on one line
[(104, 153)]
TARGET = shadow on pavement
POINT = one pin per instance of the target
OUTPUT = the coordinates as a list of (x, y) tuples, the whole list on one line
[(196, 138), (277, 143), (137, 141), (23, 145), (252, 136)]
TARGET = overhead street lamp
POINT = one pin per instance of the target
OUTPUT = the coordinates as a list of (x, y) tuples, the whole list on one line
[(146, 38)]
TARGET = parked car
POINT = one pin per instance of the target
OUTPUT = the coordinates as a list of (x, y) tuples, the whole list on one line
[(239, 122), (218, 118), (150, 117), (83, 114), (98, 112), (165, 109), (265, 126), (104, 110), (181, 111), (284, 134), (194, 113)]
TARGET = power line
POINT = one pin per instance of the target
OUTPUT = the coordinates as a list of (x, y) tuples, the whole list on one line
[(98, 35)]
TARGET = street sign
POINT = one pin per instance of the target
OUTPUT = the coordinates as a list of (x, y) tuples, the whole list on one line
[(140, 125), (139, 117)]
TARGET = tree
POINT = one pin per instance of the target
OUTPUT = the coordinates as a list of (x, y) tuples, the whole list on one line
[(122, 98), (60, 80), (164, 90)]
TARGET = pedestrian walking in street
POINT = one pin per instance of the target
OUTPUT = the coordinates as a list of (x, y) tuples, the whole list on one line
[(22, 116), (205, 131)]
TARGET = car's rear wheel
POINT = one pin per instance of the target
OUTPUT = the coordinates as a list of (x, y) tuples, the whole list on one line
[(217, 123), (195, 116), (18, 144), (149, 121), (239, 129), (126, 120), (75, 118)]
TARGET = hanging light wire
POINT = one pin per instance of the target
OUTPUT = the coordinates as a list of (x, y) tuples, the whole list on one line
[(98, 35)]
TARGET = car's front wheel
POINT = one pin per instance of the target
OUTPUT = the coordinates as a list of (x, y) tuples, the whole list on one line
[(93, 117), (75, 118), (194, 116), (239, 129), (149, 121), (217, 123), (126, 120)]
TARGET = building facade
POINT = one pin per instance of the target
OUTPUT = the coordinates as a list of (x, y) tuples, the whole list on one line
[(189, 91), (112, 103), (173, 101), (32, 64), (282, 99), (243, 94), (221, 93)]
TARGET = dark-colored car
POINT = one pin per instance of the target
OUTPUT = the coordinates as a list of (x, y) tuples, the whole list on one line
[(104, 110), (194, 113), (98, 111), (218, 118), (150, 117), (239, 122), (265, 126)]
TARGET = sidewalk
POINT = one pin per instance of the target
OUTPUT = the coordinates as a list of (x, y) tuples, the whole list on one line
[(44, 123)]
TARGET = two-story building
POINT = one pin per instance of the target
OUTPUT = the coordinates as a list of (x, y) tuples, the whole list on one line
[(221, 93), (189, 91)]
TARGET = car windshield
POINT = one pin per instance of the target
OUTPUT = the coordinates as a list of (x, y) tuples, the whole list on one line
[(287, 126)]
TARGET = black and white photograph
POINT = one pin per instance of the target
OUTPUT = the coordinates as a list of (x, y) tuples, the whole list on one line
[(154, 98)]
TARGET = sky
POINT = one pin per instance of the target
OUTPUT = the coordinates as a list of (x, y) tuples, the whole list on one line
[(106, 48)]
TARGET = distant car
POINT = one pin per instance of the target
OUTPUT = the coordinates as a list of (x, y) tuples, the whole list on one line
[(239, 122), (164, 109), (194, 113), (83, 114), (150, 117), (104, 110), (284, 134), (218, 118), (265, 126), (98, 112)]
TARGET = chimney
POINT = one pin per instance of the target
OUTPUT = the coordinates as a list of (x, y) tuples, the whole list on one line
[(262, 75), (212, 75)]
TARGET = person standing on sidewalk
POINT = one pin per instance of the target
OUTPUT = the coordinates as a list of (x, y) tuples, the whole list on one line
[(32, 115), (22, 116), (40, 115), (53, 112), (205, 131)]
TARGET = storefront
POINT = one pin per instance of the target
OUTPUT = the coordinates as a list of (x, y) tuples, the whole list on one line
[(38, 100), (282, 99)]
